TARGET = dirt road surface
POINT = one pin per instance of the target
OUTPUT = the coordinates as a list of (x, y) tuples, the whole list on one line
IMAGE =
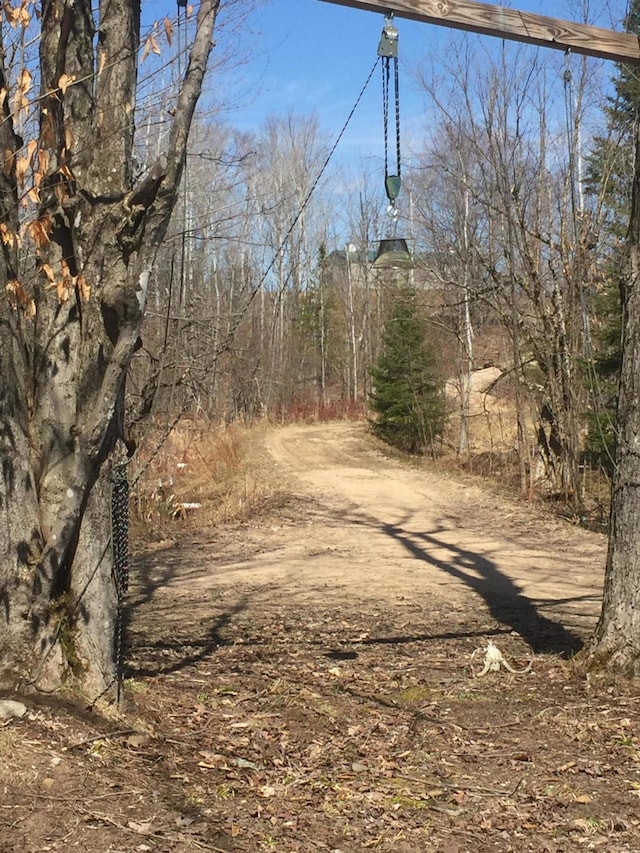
[(360, 525), (304, 681)]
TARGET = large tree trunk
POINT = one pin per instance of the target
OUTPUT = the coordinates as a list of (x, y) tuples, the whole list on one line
[(617, 637), (70, 326)]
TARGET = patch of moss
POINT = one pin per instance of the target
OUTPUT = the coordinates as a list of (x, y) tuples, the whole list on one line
[(67, 636), (414, 695), (406, 802)]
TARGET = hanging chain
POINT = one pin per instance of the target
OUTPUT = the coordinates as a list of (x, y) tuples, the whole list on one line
[(120, 551)]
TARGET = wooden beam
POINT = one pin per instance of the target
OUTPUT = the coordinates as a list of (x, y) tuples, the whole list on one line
[(510, 24)]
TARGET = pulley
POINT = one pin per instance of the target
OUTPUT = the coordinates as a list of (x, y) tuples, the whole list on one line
[(392, 253), (389, 39), (388, 53)]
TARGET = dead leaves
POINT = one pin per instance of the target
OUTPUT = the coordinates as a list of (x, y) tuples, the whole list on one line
[(65, 81), (150, 45), (19, 298), (17, 16), (397, 743), (151, 41), (65, 283), (267, 745), (168, 31), (24, 162), (39, 230), (20, 102)]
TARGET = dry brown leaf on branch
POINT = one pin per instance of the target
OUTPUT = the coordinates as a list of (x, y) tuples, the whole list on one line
[(8, 237), (18, 15), (39, 229), (65, 81), (84, 288), (48, 271), (150, 46), (19, 298), (20, 100), (24, 162), (168, 30), (61, 285), (24, 81), (14, 15), (44, 158), (16, 292), (63, 290)]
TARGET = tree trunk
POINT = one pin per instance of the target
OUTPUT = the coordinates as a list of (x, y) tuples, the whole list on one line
[(617, 638), (70, 326)]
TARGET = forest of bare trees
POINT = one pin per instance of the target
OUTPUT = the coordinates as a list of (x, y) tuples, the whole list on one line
[(266, 299)]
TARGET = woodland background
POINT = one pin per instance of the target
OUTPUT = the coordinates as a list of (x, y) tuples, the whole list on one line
[(515, 204)]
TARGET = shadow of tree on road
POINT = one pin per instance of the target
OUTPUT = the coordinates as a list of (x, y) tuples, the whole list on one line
[(163, 634), (502, 596)]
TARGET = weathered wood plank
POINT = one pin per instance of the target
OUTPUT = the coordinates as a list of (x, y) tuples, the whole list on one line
[(510, 24)]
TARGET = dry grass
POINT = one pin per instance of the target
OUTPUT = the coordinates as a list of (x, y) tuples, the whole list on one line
[(202, 475)]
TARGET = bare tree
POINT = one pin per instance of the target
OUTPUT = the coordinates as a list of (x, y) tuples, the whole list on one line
[(80, 232), (496, 146)]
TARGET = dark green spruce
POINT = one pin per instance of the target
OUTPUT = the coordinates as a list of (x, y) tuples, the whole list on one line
[(408, 392)]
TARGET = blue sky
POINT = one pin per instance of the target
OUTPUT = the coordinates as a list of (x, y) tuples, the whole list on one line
[(306, 56), (310, 56)]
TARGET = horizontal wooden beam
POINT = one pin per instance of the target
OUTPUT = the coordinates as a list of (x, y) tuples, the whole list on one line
[(510, 24)]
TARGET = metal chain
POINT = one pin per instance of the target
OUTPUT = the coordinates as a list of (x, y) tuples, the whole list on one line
[(120, 551)]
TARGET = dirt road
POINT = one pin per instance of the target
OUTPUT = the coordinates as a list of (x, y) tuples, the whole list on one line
[(305, 681), (365, 526)]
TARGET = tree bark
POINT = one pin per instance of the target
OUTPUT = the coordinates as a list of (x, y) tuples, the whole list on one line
[(617, 638), (70, 327)]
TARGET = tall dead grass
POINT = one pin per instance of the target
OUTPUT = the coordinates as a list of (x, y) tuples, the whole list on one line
[(199, 476)]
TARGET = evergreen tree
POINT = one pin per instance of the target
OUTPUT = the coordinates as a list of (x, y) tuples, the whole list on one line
[(408, 393), (609, 172), (609, 179)]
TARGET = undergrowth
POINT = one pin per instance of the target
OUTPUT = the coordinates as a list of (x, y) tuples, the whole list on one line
[(203, 473), (199, 476)]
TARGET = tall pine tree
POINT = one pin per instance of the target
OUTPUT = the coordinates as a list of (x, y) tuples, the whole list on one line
[(408, 393)]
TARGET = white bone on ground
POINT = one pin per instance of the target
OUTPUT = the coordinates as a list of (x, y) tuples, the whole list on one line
[(493, 658)]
